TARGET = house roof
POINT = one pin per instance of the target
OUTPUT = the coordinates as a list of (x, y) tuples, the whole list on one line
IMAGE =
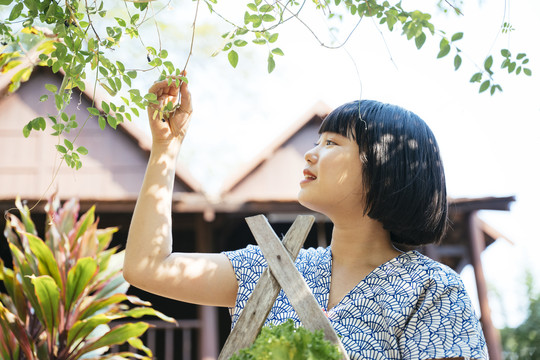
[(113, 170), (270, 175)]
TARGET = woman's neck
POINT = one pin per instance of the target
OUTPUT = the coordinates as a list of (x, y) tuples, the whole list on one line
[(361, 242)]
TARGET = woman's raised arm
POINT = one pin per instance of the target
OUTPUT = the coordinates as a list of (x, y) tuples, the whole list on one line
[(149, 263)]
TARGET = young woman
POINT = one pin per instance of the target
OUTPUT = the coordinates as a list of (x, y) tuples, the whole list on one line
[(377, 174)]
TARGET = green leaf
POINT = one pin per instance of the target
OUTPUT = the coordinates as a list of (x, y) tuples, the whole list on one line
[(277, 51), (93, 111), (148, 311), (488, 63), (484, 86), (120, 21), (169, 65), (233, 58), (98, 305), (241, 31), (61, 149), (18, 331), (27, 129), (111, 120), (252, 7), (268, 18), (457, 36), (505, 53), (82, 328), (68, 144), (42, 123), (43, 98), (273, 38), (47, 264), (163, 54), (139, 345), (150, 97), (271, 63), (48, 296), (259, 41), (240, 43), (16, 11), (82, 150), (108, 89), (477, 77), (444, 48), (102, 123), (527, 71), (420, 40), (266, 8), (78, 278), (103, 70), (520, 56), (117, 336), (457, 62), (52, 88)]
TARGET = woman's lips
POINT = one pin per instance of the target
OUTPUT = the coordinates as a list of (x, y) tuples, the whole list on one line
[(308, 177)]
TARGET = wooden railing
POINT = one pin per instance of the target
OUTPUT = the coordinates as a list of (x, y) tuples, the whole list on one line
[(168, 341)]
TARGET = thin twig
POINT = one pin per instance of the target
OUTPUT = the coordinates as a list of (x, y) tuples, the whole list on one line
[(456, 9), (385, 44), (192, 35)]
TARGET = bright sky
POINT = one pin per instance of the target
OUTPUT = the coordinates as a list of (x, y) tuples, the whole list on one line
[(488, 143)]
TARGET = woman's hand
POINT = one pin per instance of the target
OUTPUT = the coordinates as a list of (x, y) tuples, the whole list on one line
[(169, 126)]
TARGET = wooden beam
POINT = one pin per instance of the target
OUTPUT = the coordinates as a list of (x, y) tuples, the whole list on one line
[(477, 245)]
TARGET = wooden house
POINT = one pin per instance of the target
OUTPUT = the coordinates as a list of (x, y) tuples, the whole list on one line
[(112, 175)]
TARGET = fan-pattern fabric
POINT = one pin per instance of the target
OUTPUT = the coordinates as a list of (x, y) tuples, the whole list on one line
[(410, 307)]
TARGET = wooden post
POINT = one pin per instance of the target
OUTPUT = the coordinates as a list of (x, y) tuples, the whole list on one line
[(477, 245), (208, 339)]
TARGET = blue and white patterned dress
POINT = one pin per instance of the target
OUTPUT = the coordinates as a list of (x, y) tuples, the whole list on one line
[(410, 307)]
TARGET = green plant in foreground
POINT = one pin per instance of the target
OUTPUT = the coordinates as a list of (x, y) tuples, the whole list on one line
[(287, 342), (64, 291)]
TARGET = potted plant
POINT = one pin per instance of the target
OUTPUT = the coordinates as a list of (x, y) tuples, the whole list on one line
[(63, 291)]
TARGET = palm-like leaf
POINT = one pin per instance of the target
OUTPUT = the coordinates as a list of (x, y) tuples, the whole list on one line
[(64, 291)]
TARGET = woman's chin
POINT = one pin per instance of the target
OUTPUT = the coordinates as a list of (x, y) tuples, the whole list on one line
[(305, 202)]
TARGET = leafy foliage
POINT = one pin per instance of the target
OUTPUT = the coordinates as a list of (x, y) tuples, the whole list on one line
[(64, 291), (523, 342), (64, 36), (286, 342)]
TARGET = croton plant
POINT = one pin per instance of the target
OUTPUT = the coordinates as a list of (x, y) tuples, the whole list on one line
[(64, 292)]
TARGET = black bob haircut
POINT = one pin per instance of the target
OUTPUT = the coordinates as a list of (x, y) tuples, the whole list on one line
[(403, 175)]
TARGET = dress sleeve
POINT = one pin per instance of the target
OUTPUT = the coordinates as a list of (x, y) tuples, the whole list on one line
[(248, 264), (444, 325)]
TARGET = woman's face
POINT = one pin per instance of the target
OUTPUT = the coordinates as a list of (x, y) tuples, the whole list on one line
[(333, 176)]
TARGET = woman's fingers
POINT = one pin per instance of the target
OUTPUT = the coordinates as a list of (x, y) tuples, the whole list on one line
[(169, 122)]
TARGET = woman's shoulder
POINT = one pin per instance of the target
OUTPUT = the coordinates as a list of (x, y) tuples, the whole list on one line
[(421, 272)]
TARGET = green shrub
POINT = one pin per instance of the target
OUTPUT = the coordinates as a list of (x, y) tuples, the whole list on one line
[(64, 291)]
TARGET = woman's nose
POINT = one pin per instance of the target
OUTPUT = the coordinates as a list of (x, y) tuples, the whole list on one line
[(311, 156)]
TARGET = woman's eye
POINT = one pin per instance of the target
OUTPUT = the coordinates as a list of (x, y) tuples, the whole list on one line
[(330, 142)]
